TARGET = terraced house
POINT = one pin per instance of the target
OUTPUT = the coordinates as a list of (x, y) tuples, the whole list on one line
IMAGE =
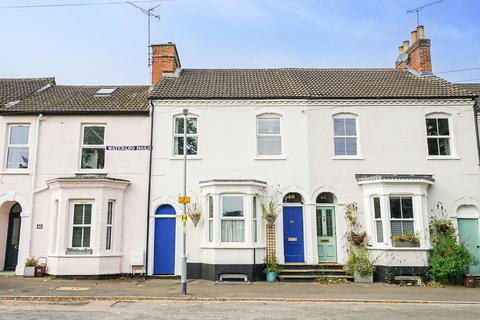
[(81, 186), (73, 183), (395, 141)]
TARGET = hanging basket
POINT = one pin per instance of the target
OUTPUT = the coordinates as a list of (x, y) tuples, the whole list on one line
[(195, 217)]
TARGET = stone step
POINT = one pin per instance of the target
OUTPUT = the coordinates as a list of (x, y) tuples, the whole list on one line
[(311, 277), (312, 270), (311, 266)]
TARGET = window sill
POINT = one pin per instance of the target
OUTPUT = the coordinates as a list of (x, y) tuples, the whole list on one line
[(443, 158), (271, 157), (389, 248), (104, 255), (99, 172), (16, 172), (358, 157), (197, 157)]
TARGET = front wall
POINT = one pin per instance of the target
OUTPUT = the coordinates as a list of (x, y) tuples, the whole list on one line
[(59, 156), (392, 140)]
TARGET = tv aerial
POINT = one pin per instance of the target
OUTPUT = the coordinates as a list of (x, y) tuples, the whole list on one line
[(150, 14), (417, 10)]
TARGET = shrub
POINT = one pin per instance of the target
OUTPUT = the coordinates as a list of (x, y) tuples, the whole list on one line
[(449, 259), (359, 261)]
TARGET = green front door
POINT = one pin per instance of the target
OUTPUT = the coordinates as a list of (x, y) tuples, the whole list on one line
[(469, 235), (326, 239)]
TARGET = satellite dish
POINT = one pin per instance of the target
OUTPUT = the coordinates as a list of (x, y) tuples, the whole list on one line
[(402, 57)]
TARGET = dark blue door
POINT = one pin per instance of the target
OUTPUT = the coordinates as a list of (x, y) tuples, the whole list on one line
[(164, 255), (293, 234)]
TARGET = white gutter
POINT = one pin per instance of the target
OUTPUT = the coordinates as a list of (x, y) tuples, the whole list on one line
[(32, 185)]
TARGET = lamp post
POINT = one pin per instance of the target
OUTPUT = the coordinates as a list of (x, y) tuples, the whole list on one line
[(183, 280)]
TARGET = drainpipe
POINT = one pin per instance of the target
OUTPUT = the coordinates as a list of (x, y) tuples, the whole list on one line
[(149, 188), (476, 111), (32, 185)]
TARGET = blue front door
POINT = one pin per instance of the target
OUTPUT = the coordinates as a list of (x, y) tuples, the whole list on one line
[(164, 249), (293, 234)]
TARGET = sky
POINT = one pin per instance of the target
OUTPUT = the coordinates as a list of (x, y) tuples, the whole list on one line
[(108, 44)]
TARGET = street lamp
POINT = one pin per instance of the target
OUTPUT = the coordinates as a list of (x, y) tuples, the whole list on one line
[(183, 280)]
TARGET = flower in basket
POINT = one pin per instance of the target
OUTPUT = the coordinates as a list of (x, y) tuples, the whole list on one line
[(270, 204), (406, 237), (194, 211)]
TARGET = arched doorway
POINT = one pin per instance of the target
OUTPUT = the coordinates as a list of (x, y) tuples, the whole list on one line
[(164, 247), (326, 228), (293, 243), (13, 237)]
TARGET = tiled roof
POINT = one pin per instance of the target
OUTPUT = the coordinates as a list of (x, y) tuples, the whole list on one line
[(365, 178), (472, 87), (84, 99), (17, 89), (303, 84)]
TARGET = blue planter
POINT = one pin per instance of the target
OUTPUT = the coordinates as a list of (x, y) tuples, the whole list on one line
[(271, 277)]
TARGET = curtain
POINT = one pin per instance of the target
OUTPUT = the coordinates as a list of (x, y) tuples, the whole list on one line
[(233, 230)]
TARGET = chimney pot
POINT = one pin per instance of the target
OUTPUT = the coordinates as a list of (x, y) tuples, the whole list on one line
[(406, 45), (414, 36), (400, 49), (421, 32)]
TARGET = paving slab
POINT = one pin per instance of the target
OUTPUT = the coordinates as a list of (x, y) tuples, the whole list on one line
[(203, 289)]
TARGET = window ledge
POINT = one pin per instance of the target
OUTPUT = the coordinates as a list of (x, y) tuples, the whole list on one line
[(357, 157), (383, 247), (15, 172), (100, 172), (233, 246), (443, 158), (271, 157), (197, 157)]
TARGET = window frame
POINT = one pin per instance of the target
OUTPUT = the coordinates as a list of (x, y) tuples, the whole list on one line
[(242, 218), (93, 146), (210, 219), (17, 146), (110, 225), (255, 219), (181, 135), (72, 225), (450, 137), (267, 135), (380, 219), (390, 219), (345, 116)]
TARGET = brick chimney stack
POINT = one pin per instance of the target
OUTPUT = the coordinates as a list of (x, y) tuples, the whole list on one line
[(415, 56), (165, 61)]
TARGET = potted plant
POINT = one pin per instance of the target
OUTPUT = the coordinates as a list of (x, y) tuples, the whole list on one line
[(360, 265), (272, 269), (29, 269), (270, 205), (357, 239), (406, 240)]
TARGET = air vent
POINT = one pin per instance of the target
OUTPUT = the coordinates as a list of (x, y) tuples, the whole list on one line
[(105, 92)]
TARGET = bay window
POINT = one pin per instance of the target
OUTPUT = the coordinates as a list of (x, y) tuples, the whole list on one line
[(232, 219), (17, 148), (191, 145), (93, 147)]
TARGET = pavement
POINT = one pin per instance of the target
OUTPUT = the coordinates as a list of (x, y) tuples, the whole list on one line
[(51, 289), (173, 310)]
